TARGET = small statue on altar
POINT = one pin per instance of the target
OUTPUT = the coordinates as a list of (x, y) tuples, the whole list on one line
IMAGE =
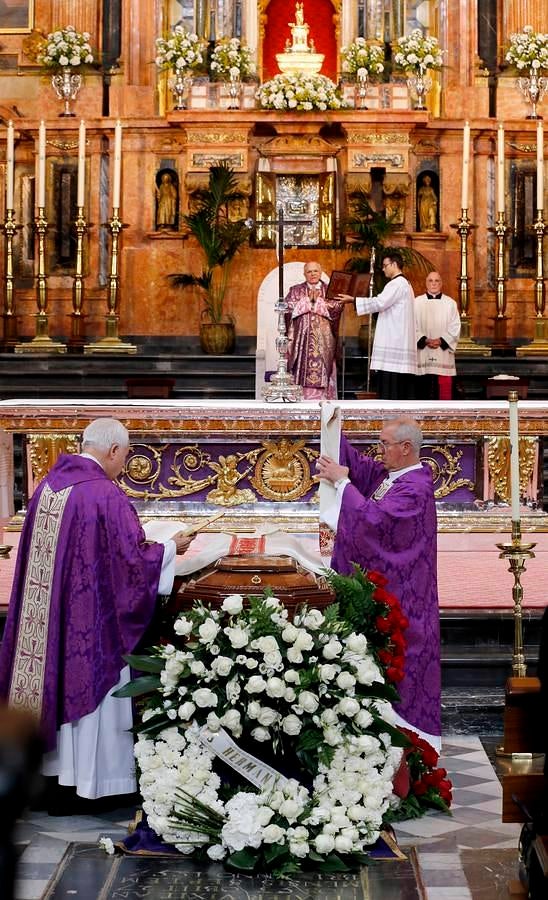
[(299, 14)]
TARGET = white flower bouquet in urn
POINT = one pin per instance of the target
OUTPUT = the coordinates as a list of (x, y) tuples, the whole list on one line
[(361, 54), (528, 50), (417, 52), (180, 50), (300, 92), (229, 54), (65, 48)]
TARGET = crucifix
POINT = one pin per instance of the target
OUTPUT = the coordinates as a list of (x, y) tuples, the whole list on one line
[(281, 387)]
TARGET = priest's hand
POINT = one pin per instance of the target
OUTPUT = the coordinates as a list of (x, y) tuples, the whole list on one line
[(329, 470), (433, 343), (183, 541)]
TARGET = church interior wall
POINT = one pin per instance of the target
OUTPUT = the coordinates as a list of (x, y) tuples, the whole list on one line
[(155, 136)]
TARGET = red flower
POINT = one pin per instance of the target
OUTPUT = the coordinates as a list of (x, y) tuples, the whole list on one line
[(430, 757), (394, 674), (380, 595), (377, 579), (419, 788), (385, 657), (382, 625)]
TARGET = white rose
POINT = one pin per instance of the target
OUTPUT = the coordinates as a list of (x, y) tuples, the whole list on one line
[(357, 643), (328, 671), (233, 604), (222, 666), (290, 809), (267, 716), (251, 663), (332, 736), (290, 633), (273, 834), (363, 719), (329, 717), (324, 843), (292, 725), (332, 649), (343, 844), (349, 707), (294, 655), (204, 697), (273, 660), (346, 681), (274, 687), (290, 695), (253, 709), (255, 685), (267, 644), (261, 734), (232, 690), (216, 852), (213, 722), (292, 677), (197, 667), (313, 619), (304, 641), (208, 631), (186, 711), (308, 701), (182, 626), (238, 637)]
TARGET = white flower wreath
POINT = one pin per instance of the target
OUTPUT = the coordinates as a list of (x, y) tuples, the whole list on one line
[(312, 691)]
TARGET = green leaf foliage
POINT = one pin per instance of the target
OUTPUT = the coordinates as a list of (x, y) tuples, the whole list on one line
[(139, 687), (145, 663)]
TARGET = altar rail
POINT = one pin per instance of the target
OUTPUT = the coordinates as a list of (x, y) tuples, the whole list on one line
[(257, 460)]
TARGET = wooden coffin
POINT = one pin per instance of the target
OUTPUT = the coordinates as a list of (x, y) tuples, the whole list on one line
[(250, 576)]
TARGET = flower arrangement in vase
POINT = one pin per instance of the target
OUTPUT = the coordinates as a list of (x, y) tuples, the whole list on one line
[(529, 50), (180, 52), (300, 92), (415, 54), (362, 60), (231, 61), (63, 51)]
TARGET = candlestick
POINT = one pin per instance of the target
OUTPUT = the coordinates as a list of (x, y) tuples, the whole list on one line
[(514, 456), (540, 165), (80, 201), (117, 165), (465, 165), (500, 168), (41, 187), (10, 162)]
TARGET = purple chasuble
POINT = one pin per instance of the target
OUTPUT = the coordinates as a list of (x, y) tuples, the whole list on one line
[(84, 591), (397, 536), (312, 331)]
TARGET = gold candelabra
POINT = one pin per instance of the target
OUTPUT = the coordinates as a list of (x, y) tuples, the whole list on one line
[(41, 342), (112, 343), (466, 346), (500, 229), (10, 321), (517, 553), (77, 338), (539, 345)]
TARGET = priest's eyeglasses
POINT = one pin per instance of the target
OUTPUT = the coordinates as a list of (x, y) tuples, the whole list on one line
[(386, 444)]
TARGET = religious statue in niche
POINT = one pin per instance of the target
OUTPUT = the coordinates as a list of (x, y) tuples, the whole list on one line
[(427, 203), (167, 200)]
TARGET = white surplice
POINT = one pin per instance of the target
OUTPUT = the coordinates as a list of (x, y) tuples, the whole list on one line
[(437, 318)]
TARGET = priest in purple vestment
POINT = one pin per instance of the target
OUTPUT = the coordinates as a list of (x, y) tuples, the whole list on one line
[(387, 522), (312, 324), (84, 592)]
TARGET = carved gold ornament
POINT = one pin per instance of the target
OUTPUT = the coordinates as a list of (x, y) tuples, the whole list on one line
[(45, 449), (226, 493), (498, 462), (282, 470), (445, 474)]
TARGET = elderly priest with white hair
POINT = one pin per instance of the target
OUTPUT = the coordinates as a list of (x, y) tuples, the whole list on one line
[(84, 592)]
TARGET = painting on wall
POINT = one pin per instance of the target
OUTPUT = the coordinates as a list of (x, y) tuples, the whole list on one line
[(16, 16)]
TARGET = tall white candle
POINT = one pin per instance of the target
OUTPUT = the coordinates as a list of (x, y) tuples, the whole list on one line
[(117, 165), (540, 165), (500, 168), (41, 186), (465, 165), (80, 201), (10, 164), (514, 460)]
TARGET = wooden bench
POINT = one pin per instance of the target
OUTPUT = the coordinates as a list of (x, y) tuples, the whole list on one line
[(523, 734)]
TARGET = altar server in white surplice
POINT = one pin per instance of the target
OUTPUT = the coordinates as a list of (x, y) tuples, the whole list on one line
[(438, 330), (394, 356)]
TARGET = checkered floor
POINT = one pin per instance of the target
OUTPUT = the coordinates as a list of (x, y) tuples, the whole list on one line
[(441, 840)]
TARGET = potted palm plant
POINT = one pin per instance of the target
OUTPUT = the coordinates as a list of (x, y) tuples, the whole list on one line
[(219, 238)]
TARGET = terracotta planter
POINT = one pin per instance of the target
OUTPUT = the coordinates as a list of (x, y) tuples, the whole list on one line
[(217, 338)]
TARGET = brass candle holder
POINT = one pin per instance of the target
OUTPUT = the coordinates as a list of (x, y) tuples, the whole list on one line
[(41, 342), (5, 550), (10, 321), (517, 553), (466, 346), (539, 345), (501, 230), (76, 338), (112, 343)]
